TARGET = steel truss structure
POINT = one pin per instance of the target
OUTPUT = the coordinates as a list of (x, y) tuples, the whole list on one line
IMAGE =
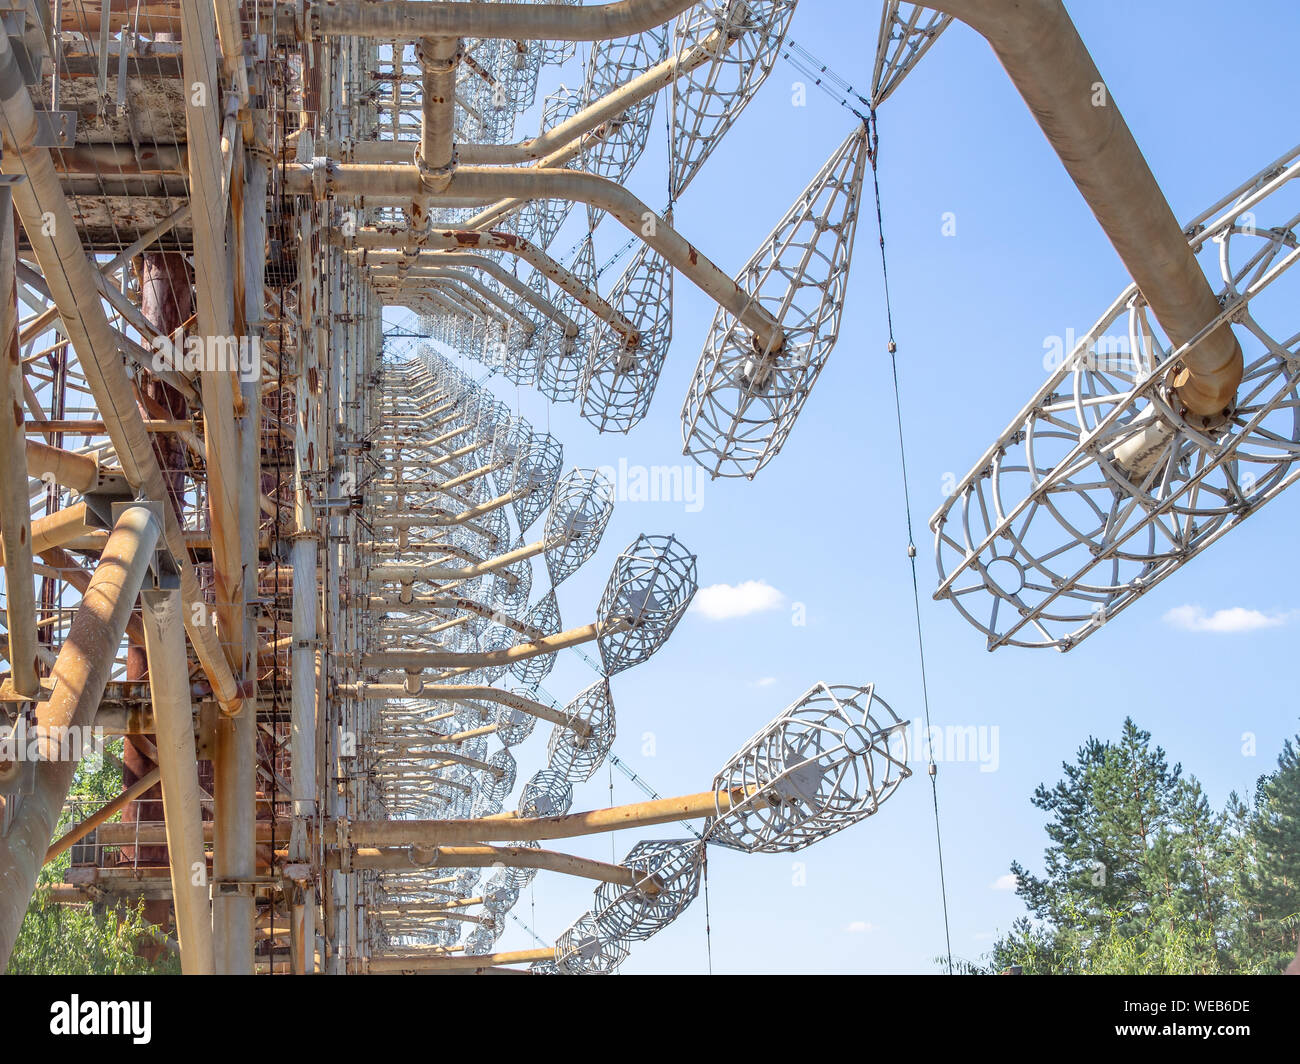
[(310, 574)]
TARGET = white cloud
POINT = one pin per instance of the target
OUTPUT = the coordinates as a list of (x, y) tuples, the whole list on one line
[(1234, 619), (723, 602), (860, 927), (1006, 882), (764, 681)]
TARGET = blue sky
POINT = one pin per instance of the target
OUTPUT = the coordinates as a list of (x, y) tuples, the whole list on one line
[(823, 525)]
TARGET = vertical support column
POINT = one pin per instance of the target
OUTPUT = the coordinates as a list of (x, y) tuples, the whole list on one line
[(16, 534), (303, 559), (235, 743), (215, 301), (169, 687)]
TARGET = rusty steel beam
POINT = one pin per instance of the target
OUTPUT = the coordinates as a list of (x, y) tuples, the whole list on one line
[(73, 281), (15, 526), (403, 21)]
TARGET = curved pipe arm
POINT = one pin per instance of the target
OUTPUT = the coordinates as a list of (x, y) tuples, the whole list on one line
[(402, 20), (488, 185), (447, 242), (1042, 52), (443, 267)]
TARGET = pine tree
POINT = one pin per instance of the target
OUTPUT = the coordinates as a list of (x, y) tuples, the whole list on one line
[(1272, 887), (1111, 832), (1135, 868)]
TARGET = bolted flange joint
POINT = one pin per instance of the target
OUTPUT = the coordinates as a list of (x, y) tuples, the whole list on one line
[(435, 179)]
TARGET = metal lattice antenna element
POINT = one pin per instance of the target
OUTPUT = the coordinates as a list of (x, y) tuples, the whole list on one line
[(586, 949), (520, 345), (513, 724), (532, 477), (559, 376), (499, 894), (490, 94), (614, 149), (744, 398), (649, 590), (539, 220), (906, 33), (742, 39), (668, 879), (481, 940), (511, 585), (1104, 484), (619, 379), (520, 68), (524, 364), (576, 752), (495, 639), (544, 616), (557, 53), (506, 439), (825, 763), (519, 876), (575, 524), (547, 793), (494, 784), (475, 715)]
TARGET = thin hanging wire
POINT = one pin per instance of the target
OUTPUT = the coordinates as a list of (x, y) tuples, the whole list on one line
[(612, 858), (931, 768), (708, 918)]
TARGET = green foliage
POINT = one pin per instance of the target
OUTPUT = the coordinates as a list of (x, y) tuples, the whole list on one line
[(83, 939), (76, 940), (1143, 877), (1126, 943), (1271, 886)]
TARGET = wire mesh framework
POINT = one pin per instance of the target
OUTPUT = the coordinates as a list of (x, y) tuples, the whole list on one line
[(668, 879), (827, 762), (619, 378), (745, 395), (742, 41), (906, 33), (1104, 485), (649, 591)]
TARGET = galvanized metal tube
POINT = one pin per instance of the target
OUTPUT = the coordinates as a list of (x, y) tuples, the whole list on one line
[(214, 310), (511, 827), (396, 965), (80, 472), (109, 809), (441, 264), (400, 858), (453, 240)]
